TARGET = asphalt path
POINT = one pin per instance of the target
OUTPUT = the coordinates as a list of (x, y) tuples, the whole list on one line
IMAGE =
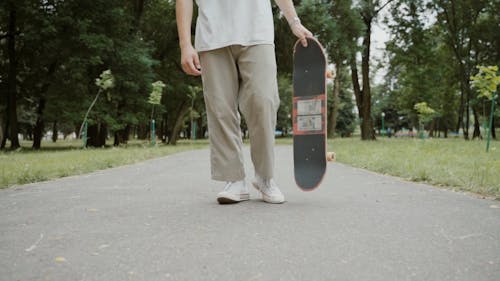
[(159, 220)]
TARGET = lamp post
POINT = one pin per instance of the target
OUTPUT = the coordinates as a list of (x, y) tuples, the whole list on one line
[(289, 122), (382, 132), (153, 132)]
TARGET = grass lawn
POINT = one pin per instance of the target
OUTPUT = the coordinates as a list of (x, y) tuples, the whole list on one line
[(65, 158), (453, 163), (456, 163)]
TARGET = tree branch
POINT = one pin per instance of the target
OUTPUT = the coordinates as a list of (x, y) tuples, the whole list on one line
[(8, 34), (383, 6)]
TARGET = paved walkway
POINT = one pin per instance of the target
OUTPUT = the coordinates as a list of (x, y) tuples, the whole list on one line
[(158, 220)]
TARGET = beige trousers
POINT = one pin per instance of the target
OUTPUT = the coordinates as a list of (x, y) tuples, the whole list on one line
[(241, 77)]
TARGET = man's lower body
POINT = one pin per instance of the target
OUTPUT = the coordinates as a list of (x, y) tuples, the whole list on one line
[(244, 78)]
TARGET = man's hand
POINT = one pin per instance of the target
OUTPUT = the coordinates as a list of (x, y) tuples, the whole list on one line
[(190, 61), (287, 8), (189, 57), (301, 32)]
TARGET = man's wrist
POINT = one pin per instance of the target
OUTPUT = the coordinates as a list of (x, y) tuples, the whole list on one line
[(294, 21), (184, 44)]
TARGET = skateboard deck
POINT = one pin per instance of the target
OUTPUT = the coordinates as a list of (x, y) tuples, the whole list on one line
[(309, 114)]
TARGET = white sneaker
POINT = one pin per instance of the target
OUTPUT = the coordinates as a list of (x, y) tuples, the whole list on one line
[(270, 191), (233, 192)]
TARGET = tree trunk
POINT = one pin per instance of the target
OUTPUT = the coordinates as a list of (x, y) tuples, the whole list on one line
[(142, 131), (28, 135), (164, 132), (159, 129), (477, 125), (334, 109), (432, 128), (117, 140), (77, 128), (355, 84), (184, 109), (460, 113), (467, 118), (2, 132), (55, 133), (5, 134), (122, 136), (103, 135), (97, 135), (92, 131), (199, 128), (493, 133), (367, 122), (39, 125), (11, 79), (363, 96), (438, 127)]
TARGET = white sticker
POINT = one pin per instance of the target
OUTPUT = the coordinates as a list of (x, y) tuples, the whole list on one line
[(308, 107), (309, 123)]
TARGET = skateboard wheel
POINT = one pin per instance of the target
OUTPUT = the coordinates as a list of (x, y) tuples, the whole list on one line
[(330, 156), (329, 74)]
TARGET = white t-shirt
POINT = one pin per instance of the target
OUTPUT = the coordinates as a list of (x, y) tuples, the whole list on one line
[(222, 23)]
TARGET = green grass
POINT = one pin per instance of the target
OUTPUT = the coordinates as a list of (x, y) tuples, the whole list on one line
[(67, 158), (453, 163), (461, 165)]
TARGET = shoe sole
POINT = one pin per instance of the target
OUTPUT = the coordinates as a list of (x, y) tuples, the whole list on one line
[(227, 200), (264, 196)]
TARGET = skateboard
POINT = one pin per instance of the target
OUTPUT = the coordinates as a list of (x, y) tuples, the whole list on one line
[(309, 114)]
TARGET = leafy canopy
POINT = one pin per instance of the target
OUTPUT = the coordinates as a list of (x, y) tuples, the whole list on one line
[(486, 81)]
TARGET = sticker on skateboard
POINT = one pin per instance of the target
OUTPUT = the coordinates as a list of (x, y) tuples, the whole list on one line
[(308, 115)]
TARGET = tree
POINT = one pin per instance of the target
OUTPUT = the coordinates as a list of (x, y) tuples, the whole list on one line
[(425, 114), (64, 44), (12, 33), (346, 119), (419, 68), (461, 21), (486, 82), (430, 61), (104, 82), (346, 29), (368, 10), (160, 31)]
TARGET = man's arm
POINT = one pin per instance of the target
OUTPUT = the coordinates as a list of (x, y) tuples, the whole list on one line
[(189, 57), (287, 8)]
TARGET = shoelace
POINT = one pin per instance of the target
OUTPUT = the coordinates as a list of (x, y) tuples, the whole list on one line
[(228, 185), (270, 186)]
